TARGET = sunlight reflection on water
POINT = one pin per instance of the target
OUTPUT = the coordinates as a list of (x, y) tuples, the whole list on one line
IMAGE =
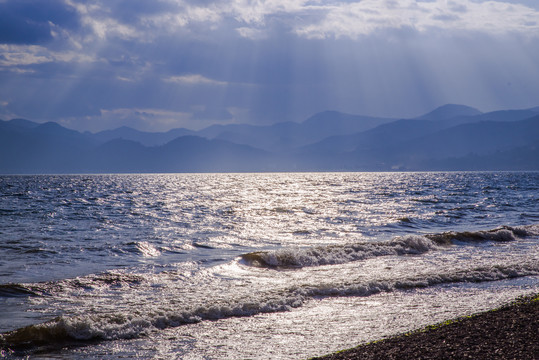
[(362, 254)]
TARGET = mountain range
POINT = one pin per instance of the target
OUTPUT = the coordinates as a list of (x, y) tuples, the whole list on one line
[(451, 137)]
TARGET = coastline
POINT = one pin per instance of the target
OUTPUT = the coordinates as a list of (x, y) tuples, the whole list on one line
[(508, 332)]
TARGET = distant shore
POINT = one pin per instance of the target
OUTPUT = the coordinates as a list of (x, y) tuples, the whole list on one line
[(508, 332)]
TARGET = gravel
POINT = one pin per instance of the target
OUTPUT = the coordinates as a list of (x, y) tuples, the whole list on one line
[(510, 332)]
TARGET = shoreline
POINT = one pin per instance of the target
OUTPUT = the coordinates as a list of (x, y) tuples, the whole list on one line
[(508, 332)]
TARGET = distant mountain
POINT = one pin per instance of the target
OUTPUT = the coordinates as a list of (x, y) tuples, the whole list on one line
[(401, 131), (45, 147), (119, 156), (479, 137), (193, 153), (450, 111), (145, 138), (184, 154), (270, 138), (382, 136), (449, 138), (520, 158), (51, 148), (277, 137), (330, 123), (285, 136), (23, 123), (487, 139), (505, 115)]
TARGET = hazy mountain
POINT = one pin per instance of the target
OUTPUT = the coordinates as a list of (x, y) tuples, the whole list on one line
[(488, 139), (393, 133), (192, 153), (505, 115), (23, 123), (284, 136), (184, 154), (271, 138), (288, 135), (520, 158), (45, 147), (380, 137), (51, 148), (480, 138), (450, 111), (145, 138), (449, 138), (119, 156), (330, 123)]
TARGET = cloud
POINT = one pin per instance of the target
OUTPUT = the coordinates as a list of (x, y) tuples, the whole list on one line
[(251, 33), (368, 16), (19, 56), (32, 22), (261, 61), (194, 79)]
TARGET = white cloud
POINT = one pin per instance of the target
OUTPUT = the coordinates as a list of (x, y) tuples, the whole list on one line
[(23, 55), (323, 19), (310, 18), (102, 23), (251, 33), (365, 17), (194, 79)]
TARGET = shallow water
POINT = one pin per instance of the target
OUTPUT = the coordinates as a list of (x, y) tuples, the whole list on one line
[(254, 265)]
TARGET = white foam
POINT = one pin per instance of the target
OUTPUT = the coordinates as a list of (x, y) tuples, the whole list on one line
[(138, 322), (147, 249), (339, 254), (400, 245)]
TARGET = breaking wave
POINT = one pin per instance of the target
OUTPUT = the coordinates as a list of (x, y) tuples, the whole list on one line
[(501, 234), (97, 327), (401, 245), (337, 254)]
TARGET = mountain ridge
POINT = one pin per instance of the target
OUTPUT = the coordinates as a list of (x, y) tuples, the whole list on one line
[(449, 111), (326, 141)]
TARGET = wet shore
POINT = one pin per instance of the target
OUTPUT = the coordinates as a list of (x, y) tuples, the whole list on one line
[(509, 332)]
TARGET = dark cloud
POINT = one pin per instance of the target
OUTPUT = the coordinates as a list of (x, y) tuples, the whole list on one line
[(31, 22), (116, 57)]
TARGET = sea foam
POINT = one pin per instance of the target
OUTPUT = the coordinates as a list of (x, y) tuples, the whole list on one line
[(400, 245), (127, 325)]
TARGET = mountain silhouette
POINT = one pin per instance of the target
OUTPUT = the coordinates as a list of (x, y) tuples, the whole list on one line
[(452, 137), (450, 111)]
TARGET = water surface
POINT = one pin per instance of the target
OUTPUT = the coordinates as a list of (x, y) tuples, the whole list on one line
[(254, 265)]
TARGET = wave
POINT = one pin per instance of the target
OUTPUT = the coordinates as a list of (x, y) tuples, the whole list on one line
[(16, 290), (337, 254), (501, 234), (52, 288), (143, 248), (401, 245), (66, 330)]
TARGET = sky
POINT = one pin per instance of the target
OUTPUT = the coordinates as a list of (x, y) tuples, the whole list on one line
[(159, 64)]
